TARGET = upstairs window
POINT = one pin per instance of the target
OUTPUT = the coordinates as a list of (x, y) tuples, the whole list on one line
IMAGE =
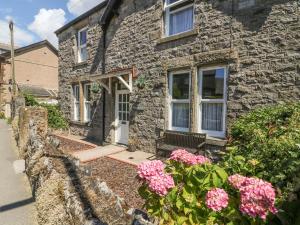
[(82, 40), (179, 16)]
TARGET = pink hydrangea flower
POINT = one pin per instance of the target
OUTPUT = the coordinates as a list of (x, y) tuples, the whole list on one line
[(236, 180), (181, 155), (202, 159), (257, 196), (216, 199), (160, 184), (151, 168)]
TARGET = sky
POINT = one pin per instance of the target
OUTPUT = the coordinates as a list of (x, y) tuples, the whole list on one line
[(36, 20)]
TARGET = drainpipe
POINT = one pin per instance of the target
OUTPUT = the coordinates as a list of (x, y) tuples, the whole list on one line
[(103, 90)]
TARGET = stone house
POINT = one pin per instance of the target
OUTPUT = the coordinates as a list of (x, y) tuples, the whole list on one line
[(130, 68), (36, 73)]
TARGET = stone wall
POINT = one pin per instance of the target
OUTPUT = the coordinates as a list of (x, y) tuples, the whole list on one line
[(259, 45), (63, 192), (25, 115)]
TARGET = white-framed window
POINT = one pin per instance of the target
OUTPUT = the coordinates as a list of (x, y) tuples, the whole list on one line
[(212, 101), (87, 103), (76, 100), (82, 45), (179, 16), (243, 4), (179, 100)]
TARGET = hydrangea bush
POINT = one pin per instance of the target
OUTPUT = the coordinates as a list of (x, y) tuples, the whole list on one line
[(190, 189)]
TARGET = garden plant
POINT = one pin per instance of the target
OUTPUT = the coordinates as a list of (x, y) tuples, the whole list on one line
[(190, 189)]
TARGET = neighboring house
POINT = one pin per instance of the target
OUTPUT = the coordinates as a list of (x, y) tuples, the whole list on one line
[(176, 64), (4, 48), (36, 72)]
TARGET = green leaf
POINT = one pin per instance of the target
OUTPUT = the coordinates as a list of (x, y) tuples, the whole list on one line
[(179, 203), (187, 210), (222, 174), (216, 180), (181, 220)]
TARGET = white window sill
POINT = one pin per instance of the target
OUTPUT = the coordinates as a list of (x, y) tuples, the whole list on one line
[(178, 36)]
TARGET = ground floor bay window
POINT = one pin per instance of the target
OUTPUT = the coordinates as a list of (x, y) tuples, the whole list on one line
[(212, 101), (179, 111)]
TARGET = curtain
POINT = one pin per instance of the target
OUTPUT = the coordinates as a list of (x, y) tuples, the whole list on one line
[(180, 115), (212, 116), (181, 21), (88, 111)]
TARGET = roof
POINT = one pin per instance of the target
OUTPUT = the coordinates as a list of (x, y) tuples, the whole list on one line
[(37, 91), (82, 17), (33, 46), (5, 46), (108, 13)]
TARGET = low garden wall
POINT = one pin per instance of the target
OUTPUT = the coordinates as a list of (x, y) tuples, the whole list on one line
[(64, 194)]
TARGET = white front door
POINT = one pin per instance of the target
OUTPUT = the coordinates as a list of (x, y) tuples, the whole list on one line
[(122, 117)]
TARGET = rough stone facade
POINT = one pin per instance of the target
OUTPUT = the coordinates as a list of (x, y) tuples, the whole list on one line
[(259, 45)]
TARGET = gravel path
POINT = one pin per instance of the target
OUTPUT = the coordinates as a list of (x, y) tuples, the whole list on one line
[(68, 146)]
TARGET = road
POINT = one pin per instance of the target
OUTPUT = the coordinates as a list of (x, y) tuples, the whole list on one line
[(16, 202)]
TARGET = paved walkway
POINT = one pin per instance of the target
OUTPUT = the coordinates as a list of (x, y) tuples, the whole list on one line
[(98, 152), (16, 202)]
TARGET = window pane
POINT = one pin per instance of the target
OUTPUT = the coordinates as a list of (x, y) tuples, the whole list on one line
[(180, 115), (181, 86), (212, 116), (181, 21), (120, 116), (88, 93), (83, 54), (124, 116), (124, 107), (213, 84), (246, 3), (83, 37), (88, 112)]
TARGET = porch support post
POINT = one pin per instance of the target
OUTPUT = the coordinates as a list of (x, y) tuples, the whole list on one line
[(81, 100), (194, 100), (109, 85)]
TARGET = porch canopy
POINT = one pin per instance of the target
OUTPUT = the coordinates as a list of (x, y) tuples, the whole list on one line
[(125, 76)]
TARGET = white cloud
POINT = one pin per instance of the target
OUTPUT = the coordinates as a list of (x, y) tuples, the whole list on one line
[(22, 37), (77, 7), (46, 22)]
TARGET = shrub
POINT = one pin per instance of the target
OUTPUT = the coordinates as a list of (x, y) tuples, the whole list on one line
[(265, 144), (30, 100), (9, 120), (2, 115), (56, 119), (190, 189)]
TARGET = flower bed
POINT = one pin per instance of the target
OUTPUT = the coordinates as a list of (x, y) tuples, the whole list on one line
[(120, 177), (190, 189)]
